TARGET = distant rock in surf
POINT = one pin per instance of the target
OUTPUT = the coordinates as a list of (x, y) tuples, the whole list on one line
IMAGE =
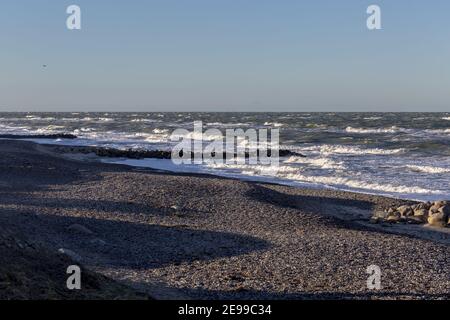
[(154, 154), (38, 136)]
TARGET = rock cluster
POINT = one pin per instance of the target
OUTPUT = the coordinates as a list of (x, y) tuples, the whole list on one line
[(155, 154), (39, 136), (434, 213)]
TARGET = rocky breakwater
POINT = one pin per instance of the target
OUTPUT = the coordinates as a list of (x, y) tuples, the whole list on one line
[(433, 213), (156, 154)]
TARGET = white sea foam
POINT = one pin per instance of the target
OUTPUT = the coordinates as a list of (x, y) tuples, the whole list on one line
[(323, 163), (428, 169), (296, 175), (144, 120), (156, 139), (105, 119), (392, 129), (373, 118), (193, 135), (32, 118), (82, 130), (226, 125), (343, 149), (274, 124), (446, 118), (361, 185), (160, 131)]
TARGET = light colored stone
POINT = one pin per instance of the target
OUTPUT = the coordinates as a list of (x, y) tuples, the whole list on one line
[(394, 217), (380, 215), (374, 220), (421, 213), (79, 229), (439, 203), (71, 254), (434, 209), (437, 219)]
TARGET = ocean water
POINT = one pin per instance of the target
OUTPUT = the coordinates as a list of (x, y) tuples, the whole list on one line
[(403, 155)]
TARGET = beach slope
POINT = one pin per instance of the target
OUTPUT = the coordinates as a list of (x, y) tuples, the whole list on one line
[(183, 236)]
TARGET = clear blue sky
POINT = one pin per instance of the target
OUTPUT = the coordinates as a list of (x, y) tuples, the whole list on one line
[(224, 55)]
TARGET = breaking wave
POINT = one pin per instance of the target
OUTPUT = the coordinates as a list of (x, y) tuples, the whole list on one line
[(428, 169)]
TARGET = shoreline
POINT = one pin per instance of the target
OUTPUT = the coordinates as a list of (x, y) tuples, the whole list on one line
[(424, 231), (154, 158), (107, 154), (162, 232)]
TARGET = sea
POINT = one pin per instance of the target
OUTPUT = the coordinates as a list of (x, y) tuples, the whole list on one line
[(401, 155)]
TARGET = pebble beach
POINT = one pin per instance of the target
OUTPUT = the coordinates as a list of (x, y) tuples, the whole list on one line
[(192, 236)]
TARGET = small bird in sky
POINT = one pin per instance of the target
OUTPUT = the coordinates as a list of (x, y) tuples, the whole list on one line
[(44, 66)]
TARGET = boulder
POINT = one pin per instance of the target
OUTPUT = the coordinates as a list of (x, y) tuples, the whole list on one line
[(79, 229), (394, 217), (405, 211), (445, 210), (422, 206), (374, 220), (440, 203), (421, 213), (415, 220), (72, 255), (435, 213), (434, 209), (380, 215), (437, 219)]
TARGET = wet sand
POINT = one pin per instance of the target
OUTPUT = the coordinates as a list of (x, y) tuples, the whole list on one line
[(203, 237)]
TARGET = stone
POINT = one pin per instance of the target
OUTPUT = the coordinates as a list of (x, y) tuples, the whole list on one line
[(79, 229), (433, 209), (380, 215), (391, 210), (421, 213), (393, 217), (98, 242), (415, 220), (374, 220), (440, 203), (445, 210), (405, 211), (71, 254), (427, 205), (437, 219), (422, 206)]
